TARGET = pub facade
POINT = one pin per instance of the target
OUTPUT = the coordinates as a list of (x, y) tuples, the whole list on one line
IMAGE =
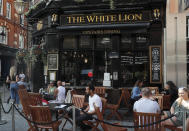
[(113, 43)]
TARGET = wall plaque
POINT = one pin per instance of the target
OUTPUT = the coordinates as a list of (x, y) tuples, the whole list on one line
[(155, 64), (52, 60)]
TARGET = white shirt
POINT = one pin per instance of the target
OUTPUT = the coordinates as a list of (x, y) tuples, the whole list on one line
[(95, 99), (146, 105), (61, 94)]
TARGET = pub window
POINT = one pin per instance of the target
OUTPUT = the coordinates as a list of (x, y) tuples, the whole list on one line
[(187, 26), (70, 42), (8, 15), (22, 20), (104, 42), (1, 7), (126, 42), (21, 41), (4, 35), (85, 42)]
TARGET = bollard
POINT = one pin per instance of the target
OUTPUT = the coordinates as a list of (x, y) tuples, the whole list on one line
[(13, 119), (4, 86), (2, 122), (184, 120), (73, 113)]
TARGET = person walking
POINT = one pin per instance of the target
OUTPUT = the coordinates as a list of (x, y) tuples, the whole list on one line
[(14, 89)]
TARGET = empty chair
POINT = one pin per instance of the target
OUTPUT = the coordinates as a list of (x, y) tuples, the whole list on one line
[(42, 114)]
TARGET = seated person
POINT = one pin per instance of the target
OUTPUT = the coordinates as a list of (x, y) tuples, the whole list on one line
[(180, 104), (171, 89), (51, 88), (136, 92), (94, 99), (146, 104), (60, 92)]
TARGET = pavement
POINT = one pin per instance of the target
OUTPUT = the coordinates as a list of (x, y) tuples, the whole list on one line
[(22, 125)]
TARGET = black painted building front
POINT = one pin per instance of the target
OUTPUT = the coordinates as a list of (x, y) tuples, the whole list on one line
[(124, 39)]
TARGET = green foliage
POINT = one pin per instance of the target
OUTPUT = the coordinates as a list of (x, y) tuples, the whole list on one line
[(33, 54)]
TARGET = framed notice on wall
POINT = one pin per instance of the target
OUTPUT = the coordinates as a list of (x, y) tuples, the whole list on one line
[(155, 64), (52, 61)]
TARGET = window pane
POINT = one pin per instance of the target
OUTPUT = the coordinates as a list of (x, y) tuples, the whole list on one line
[(69, 42), (86, 42)]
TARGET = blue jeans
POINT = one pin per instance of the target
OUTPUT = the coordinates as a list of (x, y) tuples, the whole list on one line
[(14, 92)]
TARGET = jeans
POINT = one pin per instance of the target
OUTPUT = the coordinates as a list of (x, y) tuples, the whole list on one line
[(14, 92)]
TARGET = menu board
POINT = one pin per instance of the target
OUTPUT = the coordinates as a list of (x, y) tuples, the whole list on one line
[(155, 64)]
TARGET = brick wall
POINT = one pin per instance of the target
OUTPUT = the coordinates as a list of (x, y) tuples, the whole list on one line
[(13, 26)]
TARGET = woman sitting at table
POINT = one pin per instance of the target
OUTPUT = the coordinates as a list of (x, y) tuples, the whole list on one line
[(51, 88), (136, 92), (171, 89), (178, 106)]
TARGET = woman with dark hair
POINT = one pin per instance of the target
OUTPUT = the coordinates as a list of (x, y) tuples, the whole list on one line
[(136, 92), (171, 89), (14, 89)]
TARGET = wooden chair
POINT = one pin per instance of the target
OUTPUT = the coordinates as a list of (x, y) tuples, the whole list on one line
[(100, 91), (24, 100), (114, 109), (105, 126), (42, 114), (126, 96), (154, 90), (35, 99), (78, 100), (166, 102), (173, 128), (146, 118), (94, 124), (160, 100), (21, 87)]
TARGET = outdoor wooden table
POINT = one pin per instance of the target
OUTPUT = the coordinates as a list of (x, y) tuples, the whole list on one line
[(56, 107)]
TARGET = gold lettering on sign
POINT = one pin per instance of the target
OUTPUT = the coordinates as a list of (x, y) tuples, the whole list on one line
[(117, 18), (90, 18)]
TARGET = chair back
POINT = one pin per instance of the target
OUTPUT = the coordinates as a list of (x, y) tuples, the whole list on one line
[(127, 96), (78, 100), (24, 100), (21, 87), (154, 90), (35, 99), (100, 91), (40, 114), (166, 102), (103, 104), (147, 118), (160, 100), (73, 92), (106, 127)]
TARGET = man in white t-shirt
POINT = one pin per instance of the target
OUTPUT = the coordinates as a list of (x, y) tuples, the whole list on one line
[(60, 92), (146, 104), (94, 99)]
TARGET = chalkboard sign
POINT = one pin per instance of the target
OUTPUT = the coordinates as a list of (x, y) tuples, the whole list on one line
[(52, 60), (155, 64)]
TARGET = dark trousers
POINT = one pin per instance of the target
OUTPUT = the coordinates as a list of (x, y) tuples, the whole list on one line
[(80, 118)]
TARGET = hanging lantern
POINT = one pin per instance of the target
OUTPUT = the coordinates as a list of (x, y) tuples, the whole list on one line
[(90, 74)]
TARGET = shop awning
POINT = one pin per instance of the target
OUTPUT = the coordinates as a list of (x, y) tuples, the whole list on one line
[(130, 28)]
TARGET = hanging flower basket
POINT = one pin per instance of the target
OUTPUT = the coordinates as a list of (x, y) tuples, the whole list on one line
[(21, 55)]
